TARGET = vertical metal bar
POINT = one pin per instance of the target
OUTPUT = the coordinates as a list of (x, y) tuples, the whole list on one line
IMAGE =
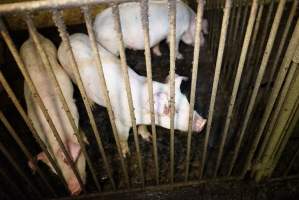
[(282, 42), (28, 122), (199, 16), (36, 96), (265, 31), (58, 20), (124, 66), (12, 184), (276, 112), (229, 115), (291, 163), (223, 35), (148, 62), (172, 36), (49, 68), (28, 155), (103, 86), (261, 72), (277, 85), (35, 190)]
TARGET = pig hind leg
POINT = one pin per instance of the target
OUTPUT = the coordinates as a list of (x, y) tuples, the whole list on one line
[(177, 44), (156, 50), (144, 133), (123, 135)]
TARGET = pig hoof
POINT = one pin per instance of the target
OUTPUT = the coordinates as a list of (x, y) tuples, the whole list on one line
[(32, 165), (145, 134), (124, 149), (179, 56), (156, 51)]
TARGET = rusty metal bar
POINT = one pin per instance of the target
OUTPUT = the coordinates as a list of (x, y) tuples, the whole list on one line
[(58, 20), (103, 86), (276, 112), (147, 53), (49, 68), (258, 81), (51, 4), (124, 66), (28, 155), (12, 161), (229, 115), (173, 49), (20, 63), (275, 92), (16, 189), (199, 16), (282, 42), (223, 34), (264, 33), (28, 122)]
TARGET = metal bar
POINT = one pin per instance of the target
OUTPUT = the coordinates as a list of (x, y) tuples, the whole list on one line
[(33, 90), (229, 115), (289, 130), (223, 35), (291, 163), (49, 68), (58, 20), (147, 53), (282, 42), (200, 10), (276, 112), (264, 33), (275, 92), (161, 187), (9, 157), (172, 58), (50, 4), (258, 81), (124, 66), (28, 155), (103, 86), (28, 122), (16, 189)]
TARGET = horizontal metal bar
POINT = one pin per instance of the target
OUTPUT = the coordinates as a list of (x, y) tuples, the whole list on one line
[(28, 155), (31, 6), (223, 35), (199, 16), (154, 188)]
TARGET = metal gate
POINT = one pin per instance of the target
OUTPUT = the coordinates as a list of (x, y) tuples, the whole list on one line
[(254, 46)]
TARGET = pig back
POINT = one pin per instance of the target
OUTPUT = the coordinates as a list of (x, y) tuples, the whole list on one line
[(46, 90)]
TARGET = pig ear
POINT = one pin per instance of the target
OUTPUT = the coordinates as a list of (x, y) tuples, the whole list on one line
[(74, 149), (162, 106)]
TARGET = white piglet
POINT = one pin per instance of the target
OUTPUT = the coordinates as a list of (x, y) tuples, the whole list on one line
[(132, 31), (114, 77), (46, 90)]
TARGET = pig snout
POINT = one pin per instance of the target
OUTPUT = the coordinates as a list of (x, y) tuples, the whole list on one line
[(74, 186), (198, 123)]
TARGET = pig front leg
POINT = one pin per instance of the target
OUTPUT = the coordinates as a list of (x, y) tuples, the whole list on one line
[(123, 135), (156, 50), (144, 133), (177, 44)]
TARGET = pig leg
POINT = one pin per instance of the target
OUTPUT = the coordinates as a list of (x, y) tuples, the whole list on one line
[(156, 50), (177, 44), (145, 134), (123, 135)]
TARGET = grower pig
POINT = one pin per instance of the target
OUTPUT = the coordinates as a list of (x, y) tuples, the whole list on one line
[(46, 90), (158, 26), (114, 77)]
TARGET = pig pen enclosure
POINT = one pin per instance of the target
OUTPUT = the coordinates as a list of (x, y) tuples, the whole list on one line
[(244, 80)]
